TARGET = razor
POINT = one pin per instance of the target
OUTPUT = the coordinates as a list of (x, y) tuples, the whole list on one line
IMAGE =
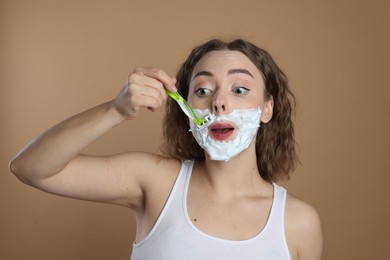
[(187, 109)]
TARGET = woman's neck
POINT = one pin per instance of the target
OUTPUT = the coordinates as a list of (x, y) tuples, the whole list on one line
[(237, 176)]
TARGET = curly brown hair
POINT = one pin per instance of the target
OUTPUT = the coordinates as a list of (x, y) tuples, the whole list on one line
[(275, 142)]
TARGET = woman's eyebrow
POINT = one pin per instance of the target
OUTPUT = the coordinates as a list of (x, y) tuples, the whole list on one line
[(203, 73), (233, 71)]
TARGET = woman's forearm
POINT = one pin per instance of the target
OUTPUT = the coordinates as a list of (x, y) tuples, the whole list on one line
[(50, 152)]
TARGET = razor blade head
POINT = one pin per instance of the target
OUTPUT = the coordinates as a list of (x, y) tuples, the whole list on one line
[(204, 122)]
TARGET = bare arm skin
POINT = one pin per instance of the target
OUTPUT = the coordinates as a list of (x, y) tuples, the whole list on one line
[(303, 230), (53, 163)]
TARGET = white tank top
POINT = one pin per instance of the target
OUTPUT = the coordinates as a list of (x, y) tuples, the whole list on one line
[(174, 237)]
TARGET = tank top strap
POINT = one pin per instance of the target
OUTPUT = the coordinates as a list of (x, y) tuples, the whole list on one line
[(275, 222), (280, 195), (184, 177), (178, 194)]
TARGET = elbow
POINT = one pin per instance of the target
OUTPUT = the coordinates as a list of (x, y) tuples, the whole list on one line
[(15, 168), (12, 166)]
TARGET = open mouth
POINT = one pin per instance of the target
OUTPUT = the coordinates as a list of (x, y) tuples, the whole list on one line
[(221, 131)]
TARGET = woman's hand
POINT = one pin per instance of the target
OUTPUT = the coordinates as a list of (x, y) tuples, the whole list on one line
[(143, 88)]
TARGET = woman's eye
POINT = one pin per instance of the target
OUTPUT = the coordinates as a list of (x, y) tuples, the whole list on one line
[(202, 92), (240, 90)]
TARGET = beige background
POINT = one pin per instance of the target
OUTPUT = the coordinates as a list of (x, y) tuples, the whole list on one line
[(61, 57)]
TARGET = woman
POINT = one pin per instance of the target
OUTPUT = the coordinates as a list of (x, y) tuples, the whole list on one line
[(212, 195)]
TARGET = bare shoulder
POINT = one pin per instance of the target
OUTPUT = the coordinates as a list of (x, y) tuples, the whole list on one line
[(303, 229), (152, 175), (157, 174), (154, 166), (300, 213)]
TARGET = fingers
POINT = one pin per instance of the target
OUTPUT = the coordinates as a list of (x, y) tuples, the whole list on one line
[(146, 95), (159, 75), (151, 82), (145, 87)]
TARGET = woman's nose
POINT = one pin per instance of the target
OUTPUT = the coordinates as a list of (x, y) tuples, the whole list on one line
[(220, 104)]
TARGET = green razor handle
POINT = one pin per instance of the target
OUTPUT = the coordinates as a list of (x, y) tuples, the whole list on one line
[(187, 109)]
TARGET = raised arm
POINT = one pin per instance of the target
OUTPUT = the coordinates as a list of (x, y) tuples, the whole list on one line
[(52, 161)]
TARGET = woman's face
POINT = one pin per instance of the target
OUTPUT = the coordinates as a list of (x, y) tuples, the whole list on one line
[(225, 80)]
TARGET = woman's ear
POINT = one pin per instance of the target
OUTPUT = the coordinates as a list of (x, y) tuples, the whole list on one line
[(268, 109)]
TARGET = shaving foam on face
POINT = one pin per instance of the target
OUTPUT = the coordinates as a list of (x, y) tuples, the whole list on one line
[(247, 122)]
